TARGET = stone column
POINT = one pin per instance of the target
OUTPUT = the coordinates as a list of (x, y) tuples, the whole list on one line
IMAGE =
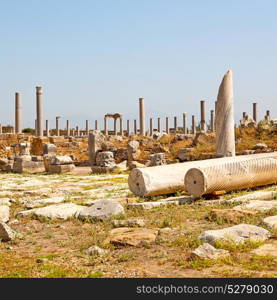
[(175, 125), (57, 126), (106, 126), (18, 114), (47, 127), (159, 125), (114, 126), (255, 112), (121, 126), (167, 128), (193, 125), (225, 132), (96, 124), (128, 127), (267, 116), (67, 128), (141, 116), (203, 116), (87, 127), (135, 127), (77, 130), (1, 129), (151, 126), (244, 115), (185, 123), (39, 111), (212, 121), (73, 132), (36, 127)]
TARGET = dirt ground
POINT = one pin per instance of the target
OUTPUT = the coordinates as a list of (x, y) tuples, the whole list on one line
[(55, 248)]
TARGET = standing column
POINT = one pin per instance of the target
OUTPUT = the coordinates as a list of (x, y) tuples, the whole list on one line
[(203, 116), (212, 121), (255, 113), (73, 132), (135, 127), (267, 115), (47, 127), (106, 126), (225, 132), (159, 124), (244, 115), (36, 127), (77, 130), (18, 113), (151, 126), (193, 126), (1, 129), (87, 127), (167, 129), (114, 126), (175, 125), (96, 124), (141, 116), (185, 123), (67, 128), (39, 111), (128, 127), (57, 126), (121, 126)]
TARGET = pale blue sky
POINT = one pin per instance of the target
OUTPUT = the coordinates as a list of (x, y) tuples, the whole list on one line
[(97, 57)]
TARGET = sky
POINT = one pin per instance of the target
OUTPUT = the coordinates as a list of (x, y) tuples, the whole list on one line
[(96, 57)]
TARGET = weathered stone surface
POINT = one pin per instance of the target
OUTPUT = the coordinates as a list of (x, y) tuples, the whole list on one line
[(105, 159), (128, 223), (47, 201), (157, 159), (59, 211), (266, 249), (61, 168), (237, 234), (61, 160), (270, 222), (247, 122), (132, 236), (121, 155), (4, 213), (96, 251), (185, 154), (231, 214), (6, 233), (260, 146), (26, 166), (207, 251), (134, 164), (257, 205), (5, 201), (49, 149), (102, 209), (133, 151)]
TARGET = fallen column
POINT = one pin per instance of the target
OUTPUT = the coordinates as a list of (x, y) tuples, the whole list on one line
[(232, 173), (167, 179)]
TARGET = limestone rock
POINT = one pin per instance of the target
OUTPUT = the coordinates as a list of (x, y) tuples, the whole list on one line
[(260, 146), (58, 169), (105, 159), (257, 205), (49, 149), (26, 165), (58, 211), (270, 222), (207, 251), (135, 164), (132, 236), (157, 159), (102, 209), (6, 233), (61, 160), (5, 201), (96, 251), (185, 154), (237, 234), (47, 201), (128, 223), (4, 213), (133, 152)]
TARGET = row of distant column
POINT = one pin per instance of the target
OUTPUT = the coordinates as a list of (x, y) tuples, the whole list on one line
[(142, 131)]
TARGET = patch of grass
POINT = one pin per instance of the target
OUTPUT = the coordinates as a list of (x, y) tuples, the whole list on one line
[(54, 271), (49, 256), (125, 257), (231, 246)]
